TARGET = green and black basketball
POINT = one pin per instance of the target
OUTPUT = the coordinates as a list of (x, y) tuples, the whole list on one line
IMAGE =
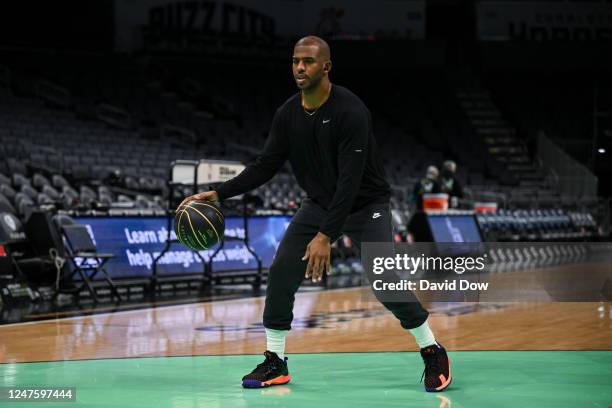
[(199, 224)]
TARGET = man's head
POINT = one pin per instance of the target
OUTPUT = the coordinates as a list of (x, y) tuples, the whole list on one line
[(311, 62), (449, 167), (432, 173)]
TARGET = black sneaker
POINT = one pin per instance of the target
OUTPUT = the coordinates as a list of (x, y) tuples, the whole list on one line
[(437, 371), (273, 371)]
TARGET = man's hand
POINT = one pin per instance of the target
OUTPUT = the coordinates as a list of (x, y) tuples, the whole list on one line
[(207, 195), (318, 254)]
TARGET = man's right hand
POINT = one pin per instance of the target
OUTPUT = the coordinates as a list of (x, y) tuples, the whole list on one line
[(207, 195)]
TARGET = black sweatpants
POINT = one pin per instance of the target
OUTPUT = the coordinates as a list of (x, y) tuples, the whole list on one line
[(370, 224)]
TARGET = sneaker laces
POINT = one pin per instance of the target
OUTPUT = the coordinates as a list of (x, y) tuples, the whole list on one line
[(267, 365)]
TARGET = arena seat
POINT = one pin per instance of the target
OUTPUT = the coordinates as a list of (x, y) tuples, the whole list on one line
[(23, 203), (20, 180), (7, 191), (29, 191), (6, 206)]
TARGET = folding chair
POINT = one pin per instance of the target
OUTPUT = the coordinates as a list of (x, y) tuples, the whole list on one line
[(82, 253)]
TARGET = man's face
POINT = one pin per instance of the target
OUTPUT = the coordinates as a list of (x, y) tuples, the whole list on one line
[(307, 66), (431, 174)]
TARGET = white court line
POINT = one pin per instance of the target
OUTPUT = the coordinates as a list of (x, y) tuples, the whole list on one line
[(124, 312)]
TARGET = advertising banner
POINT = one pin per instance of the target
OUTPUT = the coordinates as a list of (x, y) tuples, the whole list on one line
[(137, 241)]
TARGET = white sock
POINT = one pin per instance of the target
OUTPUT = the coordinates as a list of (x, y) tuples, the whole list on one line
[(423, 335), (276, 341)]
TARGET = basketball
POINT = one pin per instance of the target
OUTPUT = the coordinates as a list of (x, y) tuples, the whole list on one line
[(199, 224)]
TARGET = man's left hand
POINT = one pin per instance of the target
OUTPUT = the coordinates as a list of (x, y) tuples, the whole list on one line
[(318, 255)]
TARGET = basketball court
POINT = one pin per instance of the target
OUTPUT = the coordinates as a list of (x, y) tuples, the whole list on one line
[(343, 351)]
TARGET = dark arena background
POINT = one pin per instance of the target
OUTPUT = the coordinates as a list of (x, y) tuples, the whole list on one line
[(113, 111)]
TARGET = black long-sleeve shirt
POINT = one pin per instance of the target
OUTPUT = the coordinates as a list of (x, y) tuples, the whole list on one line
[(451, 186), (332, 152)]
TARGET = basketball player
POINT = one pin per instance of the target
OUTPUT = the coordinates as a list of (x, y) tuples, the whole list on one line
[(325, 132)]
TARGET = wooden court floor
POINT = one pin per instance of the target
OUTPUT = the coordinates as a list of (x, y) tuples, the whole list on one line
[(327, 321)]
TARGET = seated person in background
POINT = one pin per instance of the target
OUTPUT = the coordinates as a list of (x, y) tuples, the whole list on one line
[(449, 183), (426, 185)]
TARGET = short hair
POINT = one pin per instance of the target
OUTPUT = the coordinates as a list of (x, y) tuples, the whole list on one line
[(311, 40), (433, 170), (450, 165)]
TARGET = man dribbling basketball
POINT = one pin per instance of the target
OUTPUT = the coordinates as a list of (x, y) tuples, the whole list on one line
[(326, 134)]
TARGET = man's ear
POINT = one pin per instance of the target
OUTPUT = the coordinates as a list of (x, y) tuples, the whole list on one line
[(327, 66)]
